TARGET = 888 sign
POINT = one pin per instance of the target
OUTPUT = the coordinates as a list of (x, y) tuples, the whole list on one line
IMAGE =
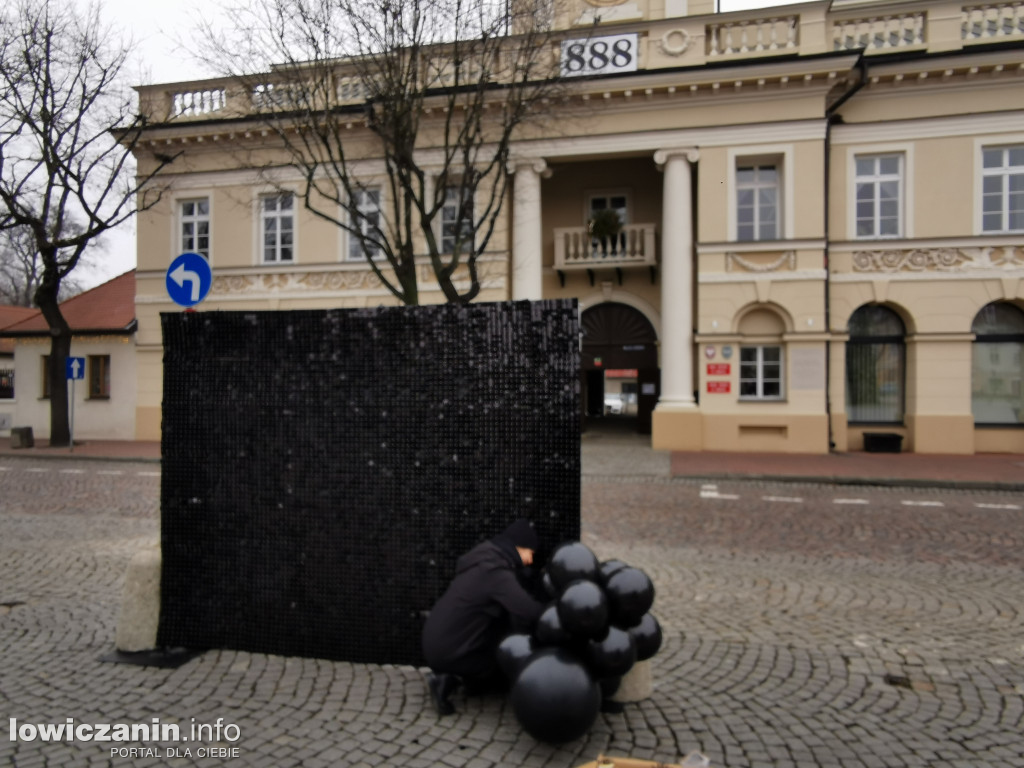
[(599, 55)]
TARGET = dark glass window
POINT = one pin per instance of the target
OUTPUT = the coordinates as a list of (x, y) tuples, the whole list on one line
[(998, 366), (875, 367)]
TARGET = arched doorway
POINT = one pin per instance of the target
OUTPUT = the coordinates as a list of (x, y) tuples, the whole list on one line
[(619, 366)]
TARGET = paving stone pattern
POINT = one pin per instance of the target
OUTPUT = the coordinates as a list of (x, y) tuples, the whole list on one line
[(798, 634)]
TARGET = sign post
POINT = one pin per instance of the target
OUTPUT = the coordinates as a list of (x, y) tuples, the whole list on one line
[(75, 370)]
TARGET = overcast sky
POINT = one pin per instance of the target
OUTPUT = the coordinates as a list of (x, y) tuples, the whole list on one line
[(161, 30)]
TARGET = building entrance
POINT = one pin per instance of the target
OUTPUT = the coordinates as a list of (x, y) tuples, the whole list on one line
[(619, 367)]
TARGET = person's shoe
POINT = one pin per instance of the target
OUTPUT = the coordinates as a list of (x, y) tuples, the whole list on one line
[(442, 686)]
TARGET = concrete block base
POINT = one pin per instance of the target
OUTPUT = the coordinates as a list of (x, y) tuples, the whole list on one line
[(636, 684), (140, 603)]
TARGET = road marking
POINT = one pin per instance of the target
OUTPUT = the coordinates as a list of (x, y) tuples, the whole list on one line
[(72, 471), (37, 469), (922, 503), (784, 499), (717, 495), (5, 469), (979, 505), (148, 474), (109, 472), (850, 501)]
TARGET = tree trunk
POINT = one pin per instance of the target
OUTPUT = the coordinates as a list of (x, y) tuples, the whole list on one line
[(60, 350)]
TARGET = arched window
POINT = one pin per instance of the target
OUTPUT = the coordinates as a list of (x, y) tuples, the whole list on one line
[(998, 368), (875, 367)]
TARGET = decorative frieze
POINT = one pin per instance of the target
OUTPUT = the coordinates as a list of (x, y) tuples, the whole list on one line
[(939, 259), (786, 260), (912, 260), (490, 273)]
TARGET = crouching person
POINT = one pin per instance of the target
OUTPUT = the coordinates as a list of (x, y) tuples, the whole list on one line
[(484, 603)]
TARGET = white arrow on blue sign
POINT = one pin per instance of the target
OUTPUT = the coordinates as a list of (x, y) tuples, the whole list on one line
[(188, 279), (75, 367)]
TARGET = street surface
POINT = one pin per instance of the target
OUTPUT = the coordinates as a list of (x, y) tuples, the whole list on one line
[(805, 626)]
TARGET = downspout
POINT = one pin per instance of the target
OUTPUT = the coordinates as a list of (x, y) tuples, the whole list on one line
[(831, 117)]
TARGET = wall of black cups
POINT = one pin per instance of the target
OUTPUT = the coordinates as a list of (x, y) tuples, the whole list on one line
[(323, 470)]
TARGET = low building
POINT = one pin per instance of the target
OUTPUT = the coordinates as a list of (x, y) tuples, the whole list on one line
[(821, 211), (8, 392), (103, 325)]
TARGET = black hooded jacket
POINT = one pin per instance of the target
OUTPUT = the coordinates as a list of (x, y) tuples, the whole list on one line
[(483, 604)]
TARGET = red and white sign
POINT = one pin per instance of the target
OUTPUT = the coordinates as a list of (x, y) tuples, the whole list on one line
[(620, 373), (718, 369), (719, 387)]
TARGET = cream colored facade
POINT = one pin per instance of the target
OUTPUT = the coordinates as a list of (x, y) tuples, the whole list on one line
[(736, 153)]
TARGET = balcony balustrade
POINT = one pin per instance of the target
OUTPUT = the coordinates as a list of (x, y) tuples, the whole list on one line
[(993, 23), (634, 246), (805, 30)]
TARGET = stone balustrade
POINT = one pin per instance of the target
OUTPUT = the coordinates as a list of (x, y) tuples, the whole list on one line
[(805, 29), (632, 247)]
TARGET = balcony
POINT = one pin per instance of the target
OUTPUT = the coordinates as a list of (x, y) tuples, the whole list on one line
[(634, 247)]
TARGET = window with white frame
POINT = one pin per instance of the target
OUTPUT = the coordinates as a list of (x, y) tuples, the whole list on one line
[(364, 215), (757, 202), (457, 220), (195, 226), (761, 372), (277, 219), (1002, 193), (879, 195)]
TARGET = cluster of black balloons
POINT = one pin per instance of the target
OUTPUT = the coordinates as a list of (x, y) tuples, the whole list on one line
[(597, 626)]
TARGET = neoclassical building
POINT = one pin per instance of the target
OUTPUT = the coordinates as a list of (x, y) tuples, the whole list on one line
[(820, 224)]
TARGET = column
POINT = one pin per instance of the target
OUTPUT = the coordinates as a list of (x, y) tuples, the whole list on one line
[(527, 241), (677, 381)]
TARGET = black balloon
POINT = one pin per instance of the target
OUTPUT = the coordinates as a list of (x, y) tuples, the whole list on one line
[(608, 567), (549, 587), (513, 654), (571, 562), (630, 595), (613, 656), (647, 637), (609, 686), (549, 629), (583, 610), (555, 698)]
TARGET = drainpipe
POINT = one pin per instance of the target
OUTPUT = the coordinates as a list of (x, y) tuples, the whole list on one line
[(831, 117)]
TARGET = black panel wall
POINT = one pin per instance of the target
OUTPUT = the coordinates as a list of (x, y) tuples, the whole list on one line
[(323, 470)]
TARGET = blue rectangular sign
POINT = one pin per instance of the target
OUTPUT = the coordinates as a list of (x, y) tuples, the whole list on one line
[(76, 367)]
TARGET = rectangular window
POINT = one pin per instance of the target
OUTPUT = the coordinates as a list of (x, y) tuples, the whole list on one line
[(457, 220), (278, 227), (879, 192), (1002, 191), (195, 227), (6, 383), (366, 219), (99, 377), (757, 202), (761, 372)]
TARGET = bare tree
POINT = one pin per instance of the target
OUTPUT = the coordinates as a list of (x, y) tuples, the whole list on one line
[(21, 270), (399, 116), (67, 129)]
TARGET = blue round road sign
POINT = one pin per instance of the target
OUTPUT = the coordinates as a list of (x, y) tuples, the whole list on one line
[(188, 279)]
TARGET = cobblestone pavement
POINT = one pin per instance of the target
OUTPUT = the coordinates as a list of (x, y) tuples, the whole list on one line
[(806, 625)]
